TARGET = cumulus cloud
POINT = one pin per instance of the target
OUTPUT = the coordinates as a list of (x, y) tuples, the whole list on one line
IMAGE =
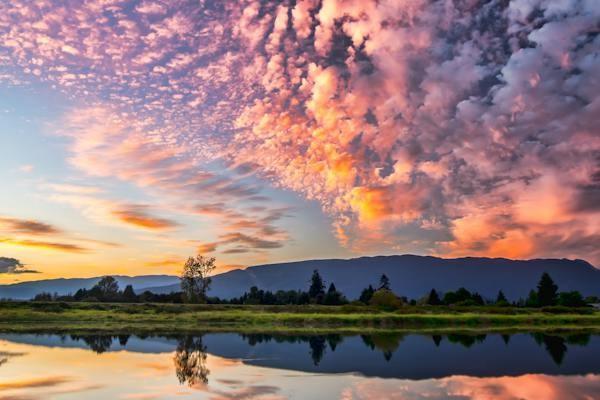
[(13, 266), (443, 127)]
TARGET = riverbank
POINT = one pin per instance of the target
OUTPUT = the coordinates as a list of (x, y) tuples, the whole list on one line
[(108, 317)]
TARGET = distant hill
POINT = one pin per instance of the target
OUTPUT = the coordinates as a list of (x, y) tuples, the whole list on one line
[(26, 290), (410, 275)]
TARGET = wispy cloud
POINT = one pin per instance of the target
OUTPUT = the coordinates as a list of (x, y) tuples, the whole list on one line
[(30, 227), (138, 216), (42, 235), (45, 245)]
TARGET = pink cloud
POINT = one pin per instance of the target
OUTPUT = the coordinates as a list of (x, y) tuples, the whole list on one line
[(445, 128)]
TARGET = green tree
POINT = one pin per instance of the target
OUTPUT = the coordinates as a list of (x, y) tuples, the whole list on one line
[(317, 287), (366, 295), (547, 291), (460, 296), (532, 299), (433, 299), (477, 299), (384, 282), (43, 296), (108, 288), (129, 294), (571, 299), (385, 299), (195, 278), (501, 299), (333, 296)]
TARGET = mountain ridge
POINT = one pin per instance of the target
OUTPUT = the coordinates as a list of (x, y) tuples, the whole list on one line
[(411, 280), (410, 275), (63, 286)]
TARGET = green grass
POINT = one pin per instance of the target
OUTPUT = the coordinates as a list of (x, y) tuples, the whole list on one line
[(98, 317)]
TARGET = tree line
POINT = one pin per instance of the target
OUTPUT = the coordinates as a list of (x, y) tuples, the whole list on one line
[(195, 283)]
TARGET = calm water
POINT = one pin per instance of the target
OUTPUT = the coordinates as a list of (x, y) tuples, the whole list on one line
[(234, 366)]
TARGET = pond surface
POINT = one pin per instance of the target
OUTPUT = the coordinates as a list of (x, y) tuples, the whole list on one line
[(237, 366)]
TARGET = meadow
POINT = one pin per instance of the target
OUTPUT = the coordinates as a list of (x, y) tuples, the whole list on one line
[(151, 317)]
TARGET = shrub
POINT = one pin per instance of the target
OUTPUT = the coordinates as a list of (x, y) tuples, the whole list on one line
[(385, 299), (571, 299)]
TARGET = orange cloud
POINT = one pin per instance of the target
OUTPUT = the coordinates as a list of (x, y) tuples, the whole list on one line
[(65, 247), (137, 216), (26, 226), (166, 262)]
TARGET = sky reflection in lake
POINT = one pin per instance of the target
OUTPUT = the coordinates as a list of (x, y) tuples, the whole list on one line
[(232, 366)]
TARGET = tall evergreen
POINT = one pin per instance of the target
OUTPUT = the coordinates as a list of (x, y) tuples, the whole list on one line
[(433, 299), (547, 291), (501, 298), (129, 294), (317, 286), (333, 297), (532, 299), (332, 288), (384, 282), (366, 295)]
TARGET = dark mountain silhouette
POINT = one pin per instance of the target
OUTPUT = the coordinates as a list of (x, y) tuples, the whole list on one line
[(26, 290), (412, 276)]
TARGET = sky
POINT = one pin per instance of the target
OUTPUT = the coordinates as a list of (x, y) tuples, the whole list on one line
[(135, 133)]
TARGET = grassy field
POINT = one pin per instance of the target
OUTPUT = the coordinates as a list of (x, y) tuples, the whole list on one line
[(108, 317)]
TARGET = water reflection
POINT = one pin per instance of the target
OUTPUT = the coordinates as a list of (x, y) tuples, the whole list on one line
[(359, 366), (190, 361), (190, 350)]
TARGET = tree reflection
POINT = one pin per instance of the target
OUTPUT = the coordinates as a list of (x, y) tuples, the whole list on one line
[(123, 339), (555, 346), (386, 342), (97, 343), (334, 340), (466, 340), (579, 339), (190, 361), (317, 348)]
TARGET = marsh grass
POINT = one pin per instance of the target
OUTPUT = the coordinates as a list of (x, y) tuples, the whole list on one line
[(28, 316)]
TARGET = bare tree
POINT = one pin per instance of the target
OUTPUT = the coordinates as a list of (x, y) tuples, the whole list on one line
[(195, 279)]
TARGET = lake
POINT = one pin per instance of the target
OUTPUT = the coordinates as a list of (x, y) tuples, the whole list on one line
[(258, 366)]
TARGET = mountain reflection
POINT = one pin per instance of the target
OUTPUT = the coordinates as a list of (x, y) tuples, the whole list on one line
[(386, 355)]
